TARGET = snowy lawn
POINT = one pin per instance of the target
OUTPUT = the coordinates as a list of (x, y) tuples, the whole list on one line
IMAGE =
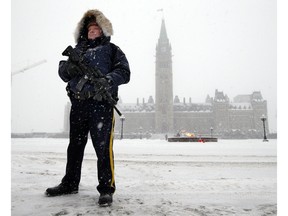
[(153, 177)]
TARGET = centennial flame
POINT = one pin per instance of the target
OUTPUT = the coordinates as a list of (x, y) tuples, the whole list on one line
[(187, 134)]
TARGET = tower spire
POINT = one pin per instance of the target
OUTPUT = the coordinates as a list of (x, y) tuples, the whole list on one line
[(163, 32), (163, 38)]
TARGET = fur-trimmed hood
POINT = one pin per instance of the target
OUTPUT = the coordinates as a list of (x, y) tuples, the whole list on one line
[(96, 16)]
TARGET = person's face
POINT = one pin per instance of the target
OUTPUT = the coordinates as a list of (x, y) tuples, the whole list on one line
[(94, 31)]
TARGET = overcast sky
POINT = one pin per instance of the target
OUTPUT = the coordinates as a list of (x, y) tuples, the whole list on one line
[(229, 45)]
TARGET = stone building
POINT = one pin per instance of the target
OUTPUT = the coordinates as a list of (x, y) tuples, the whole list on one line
[(239, 118)]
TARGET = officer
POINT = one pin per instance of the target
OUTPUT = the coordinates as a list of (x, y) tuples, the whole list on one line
[(89, 111)]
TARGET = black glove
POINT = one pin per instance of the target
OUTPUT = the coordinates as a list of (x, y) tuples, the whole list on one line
[(103, 85), (73, 69)]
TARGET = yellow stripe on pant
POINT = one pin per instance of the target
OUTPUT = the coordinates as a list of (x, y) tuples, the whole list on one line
[(111, 151)]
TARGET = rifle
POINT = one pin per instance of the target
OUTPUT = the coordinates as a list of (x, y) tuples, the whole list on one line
[(92, 74)]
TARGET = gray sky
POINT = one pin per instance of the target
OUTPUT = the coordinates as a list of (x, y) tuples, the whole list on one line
[(229, 45)]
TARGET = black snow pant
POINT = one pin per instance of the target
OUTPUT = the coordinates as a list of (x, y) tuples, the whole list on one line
[(98, 119)]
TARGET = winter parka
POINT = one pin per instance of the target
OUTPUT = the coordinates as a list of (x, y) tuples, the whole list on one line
[(100, 53)]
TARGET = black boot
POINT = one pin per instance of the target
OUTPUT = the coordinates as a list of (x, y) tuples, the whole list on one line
[(61, 189), (105, 199)]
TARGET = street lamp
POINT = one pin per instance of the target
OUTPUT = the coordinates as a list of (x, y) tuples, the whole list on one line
[(122, 118), (140, 130), (263, 118), (211, 130)]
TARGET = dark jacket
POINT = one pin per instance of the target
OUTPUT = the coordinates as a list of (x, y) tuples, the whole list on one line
[(100, 53)]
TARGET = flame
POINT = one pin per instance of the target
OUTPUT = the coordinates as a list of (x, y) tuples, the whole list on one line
[(187, 134)]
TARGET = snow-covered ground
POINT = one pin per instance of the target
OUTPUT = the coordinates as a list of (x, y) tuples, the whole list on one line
[(153, 177)]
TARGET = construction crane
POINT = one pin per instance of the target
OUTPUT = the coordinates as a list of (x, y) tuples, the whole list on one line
[(28, 67)]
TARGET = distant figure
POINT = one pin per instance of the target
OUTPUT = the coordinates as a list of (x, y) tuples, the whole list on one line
[(90, 111)]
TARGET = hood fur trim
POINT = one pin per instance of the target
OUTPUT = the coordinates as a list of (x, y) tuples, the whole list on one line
[(101, 20)]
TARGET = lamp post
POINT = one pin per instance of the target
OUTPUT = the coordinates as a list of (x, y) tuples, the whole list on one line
[(140, 130), (211, 130), (263, 118), (122, 118)]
